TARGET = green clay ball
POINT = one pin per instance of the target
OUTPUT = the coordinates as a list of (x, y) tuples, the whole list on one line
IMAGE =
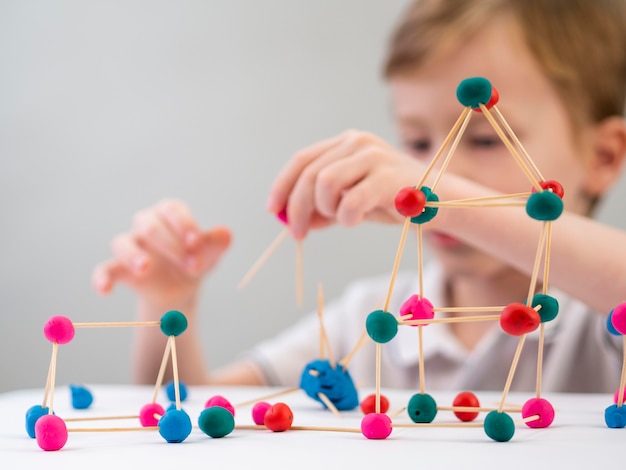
[(422, 408), (429, 212), (381, 326), (549, 307), (173, 323), (544, 205), (216, 421), (474, 91), (499, 426)]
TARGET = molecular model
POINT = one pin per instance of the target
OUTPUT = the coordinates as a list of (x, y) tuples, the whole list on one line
[(420, 204), (615, 415)]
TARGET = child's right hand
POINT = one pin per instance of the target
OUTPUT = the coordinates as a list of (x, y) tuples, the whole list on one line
[(164, 256)]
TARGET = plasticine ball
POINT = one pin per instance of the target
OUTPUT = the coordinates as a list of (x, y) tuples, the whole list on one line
[(615, 416), (422, 408), (495, 97), (175, 426), (173, 323), (410, 201), (333, 380), (282, 216), (216, 421), (82, 398), (368, 405), (150, 414), (466, 399), (220, 401), (170, 391), (376, 426), (618, 318), (428, 213), (518, 319), (544, 205), (50, 432), (59, 329), (616, 396), (278, 417), (258, 412), (418, 307), (609, 325), (32, 415), (499, 426), (553, 186), (541, 407), (549, 307), (474, 91), (381, 326)]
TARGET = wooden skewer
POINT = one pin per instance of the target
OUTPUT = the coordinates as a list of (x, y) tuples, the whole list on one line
[(159, 380), (329, 404), (46, 393), (420, 259), (359, 344), (469, 309), (426, 321), (172, 340), (438, 425), (420, 329), (469, 409), (396, 264), (324, 342), (299, 275), (268, 397), (378, 358), (496, 197), (452, 149), (116, 324), (622, 382), (542, 335), (254, 427), (100, 418), (263, 258), (475, 204), (533, 279), (140, 428), (53, 373), (509, 380), (528, 419)]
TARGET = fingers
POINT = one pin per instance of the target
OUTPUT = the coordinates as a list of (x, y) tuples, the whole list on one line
[(107, 274), (212, 245)]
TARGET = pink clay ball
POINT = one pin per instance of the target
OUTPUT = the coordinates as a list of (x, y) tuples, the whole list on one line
[(376, 426), (59, 329), (258, 412), (219, 400), (150, 414), (418, 307), (618, 318), (50, 432)]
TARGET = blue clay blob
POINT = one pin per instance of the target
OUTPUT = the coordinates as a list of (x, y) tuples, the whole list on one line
[(82, 398), (474, 91), (615, 416), (381, 326), (549, 307), (499, 426), (216, 421), (170, 391), (319, 376), (609, 325), (422, 408), (32, 415), (173, 323), (175, 426), (544, 205), (429, 212)]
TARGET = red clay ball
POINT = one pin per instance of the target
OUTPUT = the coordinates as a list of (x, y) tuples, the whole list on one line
[(410, 201), (368, 405), (466, 399), (278, 417), (518, 319)]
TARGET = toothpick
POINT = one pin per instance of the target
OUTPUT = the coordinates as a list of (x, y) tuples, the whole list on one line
[(451, 151), (469, 309), (268, 397), (172, 340), (329, 404), (359, 344), (535, 273), (100, 418), (396, 264), (542, 329), (255, 427), (299, 276), (116, 324), (324, 341), (159, 380), (438, 425), (263, 258), (427, 321), (53, 372), (49, 378), (378, 357), (475, 204), (622, 383), (528, 419), (509, 379), (421, 359), (141, 428)]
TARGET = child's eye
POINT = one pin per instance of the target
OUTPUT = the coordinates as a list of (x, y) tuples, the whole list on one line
[(484, 141), (418, 146)]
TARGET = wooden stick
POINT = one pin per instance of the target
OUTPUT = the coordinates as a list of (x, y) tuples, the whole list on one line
[(359, 344), (172, 340), (324, 341), (421, 359), (396, 264), (490, 198), (438, 425), (420, 259), (476, 408), (542, 335), (509, 380), (474, 205), (469, 309), (55, 350), (445, 143), (159, 380), (528, 419), (141, 428), (512, 150), (268, 397), (299, 275), (397, 412), (533, 279), (378, 357), (329, 404), (100, 418), (452, 149), (426, 321), (263, 258), (254, 427), (622, 382), (546, 263), (117, 324), (46, 392)]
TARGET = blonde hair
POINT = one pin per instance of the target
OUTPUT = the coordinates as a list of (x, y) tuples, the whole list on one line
[(579, 44)]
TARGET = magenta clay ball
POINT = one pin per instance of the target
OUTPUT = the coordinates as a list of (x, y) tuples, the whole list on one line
[(50, 432), (59, 329), (376, 426), (618, 318)]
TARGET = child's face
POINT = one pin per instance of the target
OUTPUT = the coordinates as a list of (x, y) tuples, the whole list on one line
[(426, 107)]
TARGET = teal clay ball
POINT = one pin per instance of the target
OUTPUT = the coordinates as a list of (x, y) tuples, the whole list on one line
[(429, 212), (381, 326), (544, 205), (549, 307), (474, 91), (422, 408), (216, 421), (173, 323), (499, 426)]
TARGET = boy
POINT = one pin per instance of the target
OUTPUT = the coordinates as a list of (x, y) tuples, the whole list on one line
[(560, 68)]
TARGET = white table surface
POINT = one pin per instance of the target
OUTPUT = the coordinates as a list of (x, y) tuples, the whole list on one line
[(578, 436)]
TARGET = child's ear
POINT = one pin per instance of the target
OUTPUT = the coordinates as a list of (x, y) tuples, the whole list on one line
[(609, 154)]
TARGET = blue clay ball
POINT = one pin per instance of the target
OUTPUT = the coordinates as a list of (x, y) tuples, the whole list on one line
[(319, 376), (549, 307), (474, 91), (422, 408), (82, 398), (499, 426), (544, 205), (615, 416), (216, 421), (170, 391), (32, 415), (175, 426), (609, 325), (173, 323), (429, 213), (381, 326)]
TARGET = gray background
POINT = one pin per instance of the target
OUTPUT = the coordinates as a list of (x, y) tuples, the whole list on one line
[(108, 106)]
